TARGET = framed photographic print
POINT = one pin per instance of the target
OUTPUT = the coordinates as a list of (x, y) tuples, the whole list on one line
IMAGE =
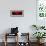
[(17, 13)]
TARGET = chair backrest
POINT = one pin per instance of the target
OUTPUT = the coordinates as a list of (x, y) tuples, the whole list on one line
[(14, 30)]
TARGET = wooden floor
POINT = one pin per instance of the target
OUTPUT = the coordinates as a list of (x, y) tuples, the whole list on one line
[(13, 44)]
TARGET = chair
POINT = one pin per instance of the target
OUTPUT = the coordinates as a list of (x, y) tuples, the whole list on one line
[(14, 32), (25, 43)]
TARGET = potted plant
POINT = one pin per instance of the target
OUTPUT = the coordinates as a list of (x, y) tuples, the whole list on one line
[(38, 27), (35, 26), (42, 27), (39, 35)]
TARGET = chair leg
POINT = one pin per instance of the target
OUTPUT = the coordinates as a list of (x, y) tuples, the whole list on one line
[(5, 43), (5, 40), (17, 39)]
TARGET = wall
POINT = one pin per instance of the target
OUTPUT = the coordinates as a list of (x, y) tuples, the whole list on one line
[(24, 23)]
